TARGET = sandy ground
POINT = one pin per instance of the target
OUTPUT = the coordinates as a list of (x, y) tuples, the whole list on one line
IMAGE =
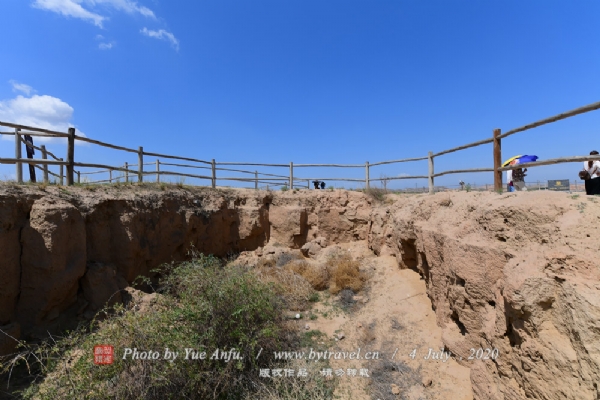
[(394, 318)]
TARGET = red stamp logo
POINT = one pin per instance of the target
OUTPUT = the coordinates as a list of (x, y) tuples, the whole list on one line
[(103, 354)]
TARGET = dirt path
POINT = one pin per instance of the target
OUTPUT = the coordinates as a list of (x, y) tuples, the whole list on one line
[(394, 318)]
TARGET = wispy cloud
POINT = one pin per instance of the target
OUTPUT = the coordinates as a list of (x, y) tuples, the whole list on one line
[(21, 87), (44, 111), (87, 9), (105, 46), (128, 6), (162, 35), (70, 8)]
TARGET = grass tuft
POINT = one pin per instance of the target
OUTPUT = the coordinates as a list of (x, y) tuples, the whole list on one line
[(200, 305)]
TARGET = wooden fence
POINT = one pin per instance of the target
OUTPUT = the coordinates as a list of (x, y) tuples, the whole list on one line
[(258, 177)]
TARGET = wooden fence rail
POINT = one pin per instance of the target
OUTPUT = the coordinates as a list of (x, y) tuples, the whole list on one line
[(398, 161), (259, 177), (577, 111)]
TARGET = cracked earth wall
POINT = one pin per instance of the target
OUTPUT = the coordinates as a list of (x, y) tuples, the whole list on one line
[(516, 272)]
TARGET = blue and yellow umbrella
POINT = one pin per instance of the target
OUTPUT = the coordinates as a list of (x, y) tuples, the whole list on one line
[(522, 159)]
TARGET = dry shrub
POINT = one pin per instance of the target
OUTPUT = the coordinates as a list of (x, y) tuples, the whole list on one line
[(376, 193), (292, 287), (317, 276), (345, 274)]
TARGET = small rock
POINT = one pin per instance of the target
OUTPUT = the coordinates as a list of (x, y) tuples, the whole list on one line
[(321, 241), (427, 381), (395, 389), (359, 325), (307, 327), (298, 316), (341, 335), (310, 249)]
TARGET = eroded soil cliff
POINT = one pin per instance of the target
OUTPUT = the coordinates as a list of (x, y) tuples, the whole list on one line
[(517, 272)]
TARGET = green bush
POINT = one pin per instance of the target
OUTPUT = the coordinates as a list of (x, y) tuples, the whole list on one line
[(284, 188), (202, 306)]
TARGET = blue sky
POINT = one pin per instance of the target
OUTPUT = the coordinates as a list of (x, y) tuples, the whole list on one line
[(305, 81)]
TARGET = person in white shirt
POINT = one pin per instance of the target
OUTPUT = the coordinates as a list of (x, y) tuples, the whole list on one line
[(592, 185), (516, 178)]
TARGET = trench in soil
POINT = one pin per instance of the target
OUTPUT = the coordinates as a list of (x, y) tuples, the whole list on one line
[(393, 317)]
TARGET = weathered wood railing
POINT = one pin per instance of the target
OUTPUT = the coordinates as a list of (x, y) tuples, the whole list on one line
[(258, 177)]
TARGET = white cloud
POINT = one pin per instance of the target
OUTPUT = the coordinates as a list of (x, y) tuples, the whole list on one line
[(21, 87), (44, 111), (162, 35), (70, 8), (99, 37), (75, 8), (130, 7), (105, 46)]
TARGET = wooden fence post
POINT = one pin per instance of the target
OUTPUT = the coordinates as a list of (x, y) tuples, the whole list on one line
[(78, 176), (431, 187), (157, 171), (45, 167), (214, 173), (18, 164), (126, 173), (140, 164), (110, 176), (497, 161), (256, 180), (291, 175), (367, 175), (70, 156), (62, 173)]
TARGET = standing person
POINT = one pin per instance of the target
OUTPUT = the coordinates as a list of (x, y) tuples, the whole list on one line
[(30, 152), (518, 177), (509, 181), (592, 185)]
